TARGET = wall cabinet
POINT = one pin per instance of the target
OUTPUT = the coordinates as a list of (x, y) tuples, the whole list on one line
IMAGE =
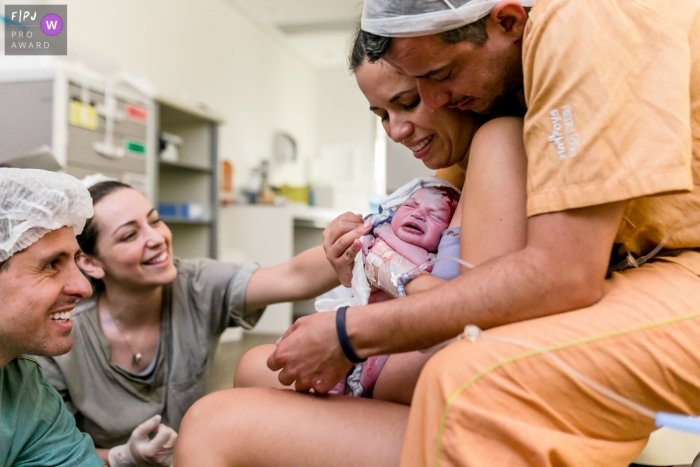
[(69, 118), (80, 123), (186, 188)]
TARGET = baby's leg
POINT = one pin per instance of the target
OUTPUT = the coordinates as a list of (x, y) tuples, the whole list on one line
[(378, 295), (339, 388), (398, 378), (371, 370)]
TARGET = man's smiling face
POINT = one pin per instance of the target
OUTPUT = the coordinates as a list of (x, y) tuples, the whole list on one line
[(462, 75), (38, 291), (466, 75)]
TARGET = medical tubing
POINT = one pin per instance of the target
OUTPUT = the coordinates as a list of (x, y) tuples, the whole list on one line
[(661, 419), (402, 279), (590, 383), (678, 422), (631, 261)]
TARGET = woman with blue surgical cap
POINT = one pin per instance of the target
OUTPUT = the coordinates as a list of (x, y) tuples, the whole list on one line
[(145, 341)]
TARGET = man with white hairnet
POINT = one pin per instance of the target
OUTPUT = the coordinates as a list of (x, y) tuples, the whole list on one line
[(40, 214), (612, 135)]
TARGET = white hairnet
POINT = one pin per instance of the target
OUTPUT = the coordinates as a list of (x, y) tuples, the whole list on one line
[(35, 202), (412, 18), (389, 204)]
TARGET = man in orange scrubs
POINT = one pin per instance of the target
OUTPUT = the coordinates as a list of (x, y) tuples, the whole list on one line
[(612, 135)]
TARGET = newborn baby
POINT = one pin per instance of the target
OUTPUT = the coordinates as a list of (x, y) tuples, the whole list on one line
[(408, 238)]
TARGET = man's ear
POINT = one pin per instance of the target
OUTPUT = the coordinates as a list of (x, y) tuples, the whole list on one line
[(509, 18), (90, 266)]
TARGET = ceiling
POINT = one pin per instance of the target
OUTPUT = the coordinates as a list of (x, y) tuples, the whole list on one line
[(319, 30)]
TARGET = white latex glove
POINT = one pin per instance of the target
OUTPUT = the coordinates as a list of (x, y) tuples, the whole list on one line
[(141, 450)]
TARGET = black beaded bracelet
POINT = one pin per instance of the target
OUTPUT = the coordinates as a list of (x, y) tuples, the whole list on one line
[(343, 336)]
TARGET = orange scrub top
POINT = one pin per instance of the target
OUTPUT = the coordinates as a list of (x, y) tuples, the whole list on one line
[(595, 136)]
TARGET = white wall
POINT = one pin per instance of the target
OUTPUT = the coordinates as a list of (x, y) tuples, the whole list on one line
[(345, 127), (402, 166), (207, 52), (204, 52)]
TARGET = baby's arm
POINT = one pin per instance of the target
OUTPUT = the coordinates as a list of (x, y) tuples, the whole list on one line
[(414, 254), (383, 264)]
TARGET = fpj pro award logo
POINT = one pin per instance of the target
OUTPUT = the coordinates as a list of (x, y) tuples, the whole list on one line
[(36, 29)]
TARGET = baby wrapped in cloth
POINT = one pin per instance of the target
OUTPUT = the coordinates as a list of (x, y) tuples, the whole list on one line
[(405, 234)]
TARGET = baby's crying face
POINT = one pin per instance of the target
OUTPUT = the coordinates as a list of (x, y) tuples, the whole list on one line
[(422, 218)]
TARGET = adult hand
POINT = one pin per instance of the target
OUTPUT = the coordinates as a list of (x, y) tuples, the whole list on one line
[(141, 450), (309, 354), (341, 243)]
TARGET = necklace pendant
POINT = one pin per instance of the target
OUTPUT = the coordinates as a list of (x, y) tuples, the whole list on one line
[(136, 358)]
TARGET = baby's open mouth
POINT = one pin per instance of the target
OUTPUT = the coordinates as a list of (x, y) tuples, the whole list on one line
[(412, 227)]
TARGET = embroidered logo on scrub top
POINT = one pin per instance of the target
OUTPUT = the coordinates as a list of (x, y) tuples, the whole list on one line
[(564, 136)]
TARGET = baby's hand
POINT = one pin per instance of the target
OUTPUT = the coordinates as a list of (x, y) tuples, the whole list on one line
[(367, 243)]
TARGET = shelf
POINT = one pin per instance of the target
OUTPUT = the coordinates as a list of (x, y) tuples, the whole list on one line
[(192, 178), (170, 167), (183, 112), (186, 222)]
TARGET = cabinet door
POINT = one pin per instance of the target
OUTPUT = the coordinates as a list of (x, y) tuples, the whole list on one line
[(26, 118)]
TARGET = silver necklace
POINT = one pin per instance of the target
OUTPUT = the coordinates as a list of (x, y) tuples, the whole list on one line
[(136, 356)]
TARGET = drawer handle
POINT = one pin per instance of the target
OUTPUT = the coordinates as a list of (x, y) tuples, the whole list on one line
[(109, 150)]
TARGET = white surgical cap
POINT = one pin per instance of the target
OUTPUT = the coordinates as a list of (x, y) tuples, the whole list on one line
[(413, 18), (389, 204), (35, 202)]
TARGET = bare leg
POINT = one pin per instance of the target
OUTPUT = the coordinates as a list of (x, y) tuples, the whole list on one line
[(396, 382), (398, 378), (252, 370), (269, 427)]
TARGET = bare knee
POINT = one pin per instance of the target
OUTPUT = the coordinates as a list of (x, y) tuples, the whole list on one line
[(252, 370), (223, 429), (197, 442)]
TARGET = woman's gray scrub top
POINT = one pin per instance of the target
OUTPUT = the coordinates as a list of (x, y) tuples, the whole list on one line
[(107, 403)]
